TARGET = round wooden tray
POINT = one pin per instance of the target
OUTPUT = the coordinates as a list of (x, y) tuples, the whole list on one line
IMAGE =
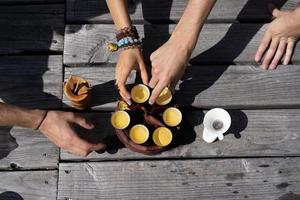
[(149, 148)]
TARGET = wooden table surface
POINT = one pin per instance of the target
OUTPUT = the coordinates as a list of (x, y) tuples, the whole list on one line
[(43, 42)]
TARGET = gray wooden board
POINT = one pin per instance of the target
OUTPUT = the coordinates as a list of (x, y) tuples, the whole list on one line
[(31, 81), (262, 178), (234, 86), (22, 148), (253, 133), (31, 28), (28, 185), (95, 11), (218, 43)]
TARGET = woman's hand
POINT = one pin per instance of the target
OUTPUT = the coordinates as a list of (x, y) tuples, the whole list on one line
[(57, 126), (168, 66), (129, 59), (279, 39)]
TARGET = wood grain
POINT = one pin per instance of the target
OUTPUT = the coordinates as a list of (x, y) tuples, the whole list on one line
[(253, 133), (31, 81), (31, 28), (217, 44), (22, 148), (234, 86), (156, 11), (28, 185), (267, 178)]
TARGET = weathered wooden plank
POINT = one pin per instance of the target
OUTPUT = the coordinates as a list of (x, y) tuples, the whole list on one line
[(267, 178), (253, 133), (28, 185), (31, 28), (234, 86), (26, 149), (218, 43), (31, 81), (34, 82), (94, 11)]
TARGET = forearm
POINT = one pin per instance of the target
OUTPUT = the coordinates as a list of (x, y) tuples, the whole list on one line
[(15, 116), (192, 21), (119, 12)]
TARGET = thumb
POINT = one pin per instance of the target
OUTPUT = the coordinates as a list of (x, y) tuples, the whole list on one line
[(275, 11), (83, 122)]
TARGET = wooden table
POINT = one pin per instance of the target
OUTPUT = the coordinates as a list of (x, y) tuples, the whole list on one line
[(43, 42)]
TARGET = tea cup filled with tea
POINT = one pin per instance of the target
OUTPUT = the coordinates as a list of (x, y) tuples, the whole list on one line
[(164, 97), (120, 119), (139, 134), (162, 136), (172, 116), (140, 93)]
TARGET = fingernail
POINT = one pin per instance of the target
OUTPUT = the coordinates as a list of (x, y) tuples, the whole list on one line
[(128, 102), (150, 102)]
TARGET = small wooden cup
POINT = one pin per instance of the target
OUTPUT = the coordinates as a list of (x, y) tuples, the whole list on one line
[(78, 91)]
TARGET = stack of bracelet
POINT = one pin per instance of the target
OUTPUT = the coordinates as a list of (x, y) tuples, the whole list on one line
[(127, 37)]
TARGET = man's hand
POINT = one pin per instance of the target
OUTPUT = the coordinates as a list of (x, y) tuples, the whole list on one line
[(129, 59), (168, 66), (279, 39), (57, 126)]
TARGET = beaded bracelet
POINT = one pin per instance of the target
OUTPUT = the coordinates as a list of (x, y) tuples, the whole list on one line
[(126, 38)]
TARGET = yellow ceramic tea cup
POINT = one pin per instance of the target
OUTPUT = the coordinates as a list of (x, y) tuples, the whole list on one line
[(140, 93), (172, 116), (139, 134), (120, 119), (164, 97), (162, 136)]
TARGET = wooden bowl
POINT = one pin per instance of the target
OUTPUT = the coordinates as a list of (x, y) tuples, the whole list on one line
[(148, 148)]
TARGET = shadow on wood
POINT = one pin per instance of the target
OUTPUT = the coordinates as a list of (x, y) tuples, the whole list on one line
[(239, 122), (9, 195), (242, 36)]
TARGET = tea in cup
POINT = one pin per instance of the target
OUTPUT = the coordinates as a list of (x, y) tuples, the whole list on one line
[(140, 93), (172, 116), (164, 97), (120, 119), (162, 136), (139, 134)]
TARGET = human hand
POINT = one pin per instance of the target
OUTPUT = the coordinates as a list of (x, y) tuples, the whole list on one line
[(168, 66), (129, 59), (57, 126), (279, 39)]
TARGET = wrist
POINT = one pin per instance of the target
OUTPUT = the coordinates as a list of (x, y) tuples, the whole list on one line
[(36, 117), (184, 40)]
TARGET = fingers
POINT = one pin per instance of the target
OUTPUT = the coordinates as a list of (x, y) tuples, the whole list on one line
[(263, 46), (121, 83), (81, 147), (157, 90), (289, 51), (153, 82), (83, 122), (143, 71), (270, 53), (279, 53)]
